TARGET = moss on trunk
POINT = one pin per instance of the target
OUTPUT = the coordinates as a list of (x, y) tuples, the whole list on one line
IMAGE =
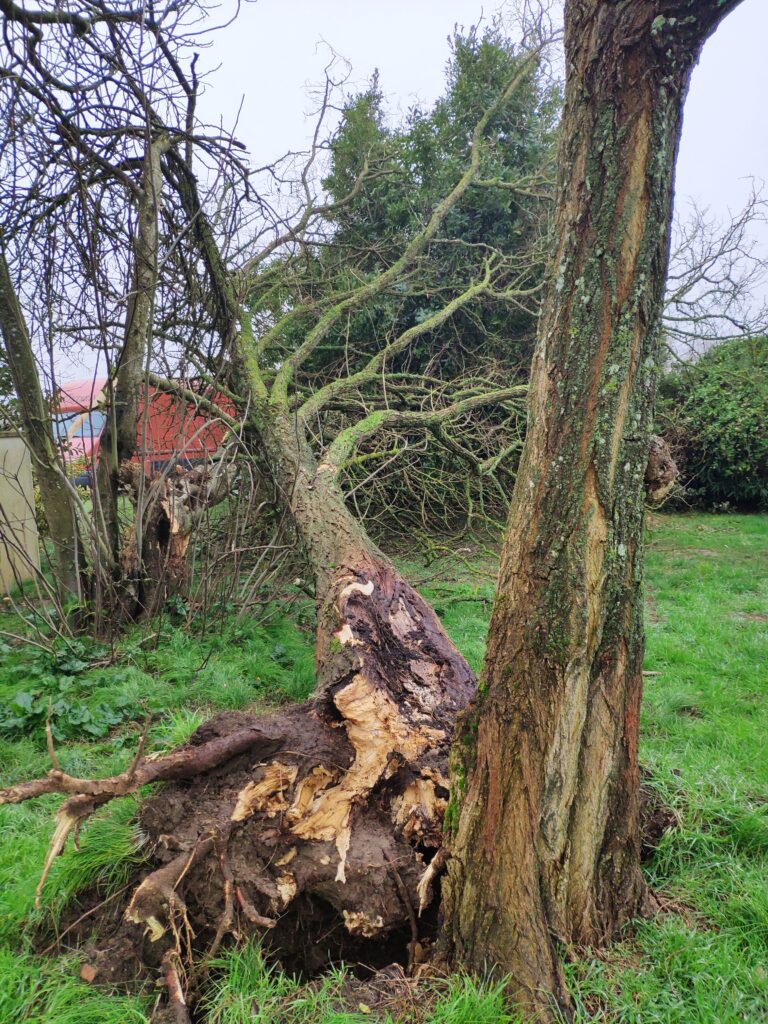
[(547, 851)]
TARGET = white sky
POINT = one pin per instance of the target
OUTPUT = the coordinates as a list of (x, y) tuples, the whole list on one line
[(275, 50)]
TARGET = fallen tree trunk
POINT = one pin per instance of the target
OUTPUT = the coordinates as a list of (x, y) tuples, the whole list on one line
[(316, 824)]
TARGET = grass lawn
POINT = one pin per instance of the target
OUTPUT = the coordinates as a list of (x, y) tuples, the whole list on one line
[(705, 744)]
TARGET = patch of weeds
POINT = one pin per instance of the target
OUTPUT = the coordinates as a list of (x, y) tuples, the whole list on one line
[(36, 685), (28, 710)]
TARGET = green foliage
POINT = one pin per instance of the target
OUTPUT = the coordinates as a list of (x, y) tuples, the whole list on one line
[(109, 854), (384, 182), (243, 981), (468, 1001), (715, 413), (416, 164), (56, 686)]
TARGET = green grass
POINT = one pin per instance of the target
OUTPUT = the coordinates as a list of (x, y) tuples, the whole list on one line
[(38, 991), (179, 679), (246, 990), (705, 741)]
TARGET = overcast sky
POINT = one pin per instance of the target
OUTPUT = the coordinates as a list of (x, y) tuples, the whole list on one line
[(275, 50)]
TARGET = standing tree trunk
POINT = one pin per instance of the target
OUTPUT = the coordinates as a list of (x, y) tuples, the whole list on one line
[(545, 769), (56, 495), (120, 438)]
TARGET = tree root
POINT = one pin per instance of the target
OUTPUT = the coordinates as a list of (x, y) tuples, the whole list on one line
[(316, 827), (90, 794), (180, 764), (177, 1002)]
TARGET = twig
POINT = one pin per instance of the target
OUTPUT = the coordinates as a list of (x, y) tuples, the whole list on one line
[(406, 900), (49, 740), (140, 749)]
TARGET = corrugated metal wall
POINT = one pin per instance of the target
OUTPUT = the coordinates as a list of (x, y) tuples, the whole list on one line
[(19, 544)]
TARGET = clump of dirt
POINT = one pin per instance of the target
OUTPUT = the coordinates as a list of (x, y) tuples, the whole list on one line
[(656, 819)]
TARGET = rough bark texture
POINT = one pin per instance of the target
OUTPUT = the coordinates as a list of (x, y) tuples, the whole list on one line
[(328, 823), (545, 769), (177, 503), (119, 440)]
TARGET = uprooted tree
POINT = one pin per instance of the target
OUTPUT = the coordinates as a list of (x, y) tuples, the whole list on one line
[(327, 816), (103, 121), (327, 819)]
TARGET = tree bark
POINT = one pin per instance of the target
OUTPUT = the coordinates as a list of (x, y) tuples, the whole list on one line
[(370, 620), (120, 438), (545, 771), (60, 514), (177, 503)]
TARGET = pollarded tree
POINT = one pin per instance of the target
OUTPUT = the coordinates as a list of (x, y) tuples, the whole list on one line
[(545, 779)]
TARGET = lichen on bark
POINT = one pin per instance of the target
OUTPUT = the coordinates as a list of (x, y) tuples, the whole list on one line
[(547, 853)]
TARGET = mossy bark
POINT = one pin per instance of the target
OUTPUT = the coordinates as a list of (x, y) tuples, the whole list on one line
[(546, 851), (121, 598), (342, 556)]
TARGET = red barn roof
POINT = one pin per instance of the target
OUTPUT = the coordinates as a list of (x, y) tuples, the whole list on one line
[(80, 395)]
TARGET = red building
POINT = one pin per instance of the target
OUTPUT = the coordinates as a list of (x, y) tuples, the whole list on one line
[(170, 429)]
